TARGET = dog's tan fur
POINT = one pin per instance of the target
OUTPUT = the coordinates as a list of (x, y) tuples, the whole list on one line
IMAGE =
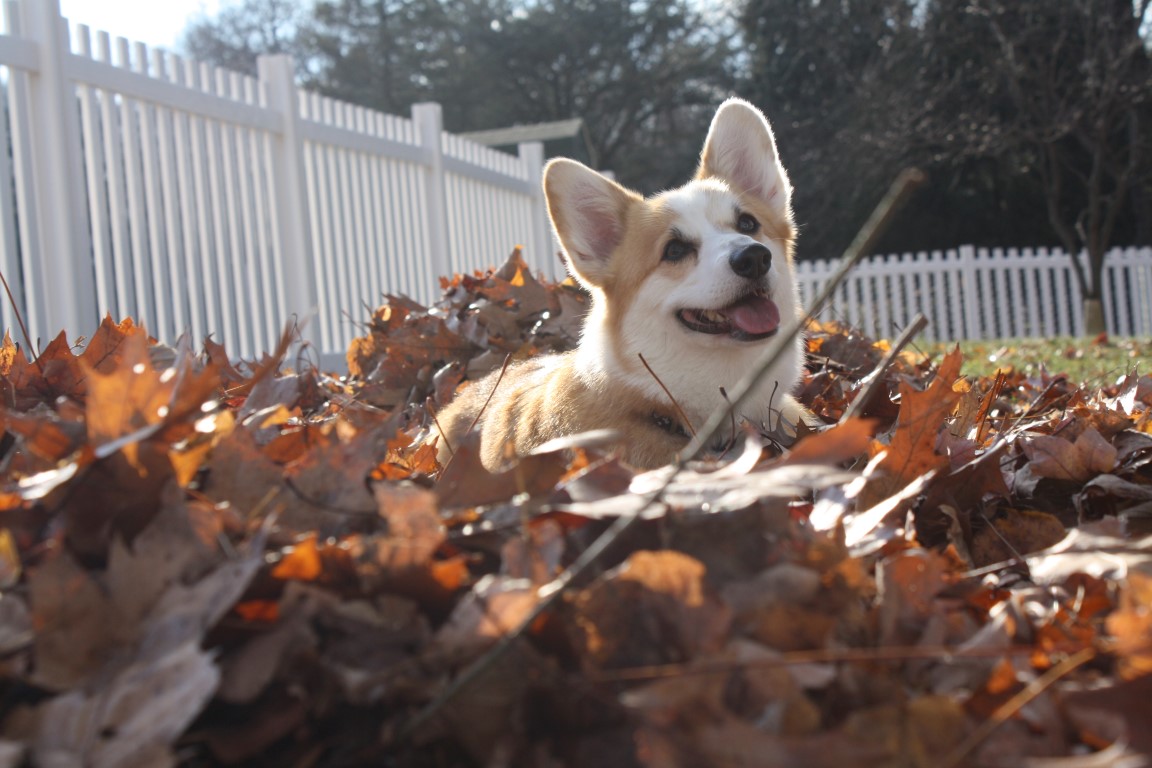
[(544, 398), (614, 241)]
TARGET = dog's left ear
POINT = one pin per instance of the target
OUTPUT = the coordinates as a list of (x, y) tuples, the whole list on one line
[(741, 150)]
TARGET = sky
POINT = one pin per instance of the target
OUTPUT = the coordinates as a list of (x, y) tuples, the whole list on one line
[(155, 22)]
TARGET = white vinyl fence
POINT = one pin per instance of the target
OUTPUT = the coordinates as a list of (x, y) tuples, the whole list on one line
[(980, 293), (135, 182)]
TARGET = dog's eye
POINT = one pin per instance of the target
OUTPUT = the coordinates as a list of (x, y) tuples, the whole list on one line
[(676, 250), (747, 224)]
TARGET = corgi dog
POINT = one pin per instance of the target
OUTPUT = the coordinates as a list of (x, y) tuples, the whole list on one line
[(688, 287)]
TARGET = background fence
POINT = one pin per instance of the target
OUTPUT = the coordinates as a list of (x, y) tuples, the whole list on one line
[(981, 293), (135, 182)]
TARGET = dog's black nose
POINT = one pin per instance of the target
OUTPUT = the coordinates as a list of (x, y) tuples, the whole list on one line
[(751, 261)]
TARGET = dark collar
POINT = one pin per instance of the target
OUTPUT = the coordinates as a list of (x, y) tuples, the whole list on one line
[(666, 423)]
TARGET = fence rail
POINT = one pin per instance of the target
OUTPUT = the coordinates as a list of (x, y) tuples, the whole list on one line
[(981, 293), (198, 200), (137, 182)]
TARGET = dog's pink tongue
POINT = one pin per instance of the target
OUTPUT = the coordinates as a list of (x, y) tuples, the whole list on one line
[(755, 315)]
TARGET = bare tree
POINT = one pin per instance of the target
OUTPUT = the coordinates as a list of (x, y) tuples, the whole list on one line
[(1060, 90), (243, 30)]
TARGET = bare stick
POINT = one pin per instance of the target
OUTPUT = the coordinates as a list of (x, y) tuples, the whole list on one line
[(500, 378), (877, 376), (676, 405), (475, 421), (443, 435), (23, 328), (1015, 704), (732, 423), (1019, 558), (549, 593), (892, 653)]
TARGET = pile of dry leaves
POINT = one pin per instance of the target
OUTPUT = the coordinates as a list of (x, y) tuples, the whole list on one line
[(204, 563)]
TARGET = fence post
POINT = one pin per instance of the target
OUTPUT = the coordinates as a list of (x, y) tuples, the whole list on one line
[(292, 236), (429, 120), (60, 277), (542, 253), (9, 252), (970, 301)]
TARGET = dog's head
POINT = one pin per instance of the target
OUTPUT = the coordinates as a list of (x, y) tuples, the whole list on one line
[(707, 264)]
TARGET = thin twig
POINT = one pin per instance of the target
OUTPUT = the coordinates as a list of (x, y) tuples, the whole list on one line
[(500, 378), (1036, 402), (894, 654), (1007, 544), (23, 328), (875, 378), (299, 493), (549, 593), (475, 421), (1015, 704), (990, 399), (732, 423), (428, 406), (676, 405)]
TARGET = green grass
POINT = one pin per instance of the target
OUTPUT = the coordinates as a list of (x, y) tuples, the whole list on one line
[(1082, 360)]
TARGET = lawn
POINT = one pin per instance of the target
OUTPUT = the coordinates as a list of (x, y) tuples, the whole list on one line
[(1088, 361)]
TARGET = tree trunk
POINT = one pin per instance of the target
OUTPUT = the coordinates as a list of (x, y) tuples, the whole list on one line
[(1094, 317)]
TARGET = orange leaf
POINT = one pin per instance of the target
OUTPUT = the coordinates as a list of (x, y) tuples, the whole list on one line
[(451, 574), (105, 349), (840, 443), (302, 563), (258, 610), (129, 398), (1131, 626), (912, 451)]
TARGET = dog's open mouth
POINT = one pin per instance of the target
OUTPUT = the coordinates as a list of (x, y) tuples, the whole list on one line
[(752, 318)]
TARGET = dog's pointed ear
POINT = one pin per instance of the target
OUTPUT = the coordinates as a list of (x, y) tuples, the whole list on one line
[(741, 151), (588, 212)]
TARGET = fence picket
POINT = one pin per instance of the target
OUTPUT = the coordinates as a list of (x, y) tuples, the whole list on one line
[(339, 167), (135, 261), (271, 285), (850, 303), (985, 302), (1045, 298), (9, 251), (363, 284), (172, 248), (95, 175), (1019, 301), (1121, 275), (49, 136), (1142, 286), (161, 286), (371, 193), (1064, 292), (200, 260), (234, 267), (324, 238), (189, 210), (1035, 301)]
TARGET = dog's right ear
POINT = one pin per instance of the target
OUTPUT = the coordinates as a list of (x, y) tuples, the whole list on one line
[(588, 212)]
